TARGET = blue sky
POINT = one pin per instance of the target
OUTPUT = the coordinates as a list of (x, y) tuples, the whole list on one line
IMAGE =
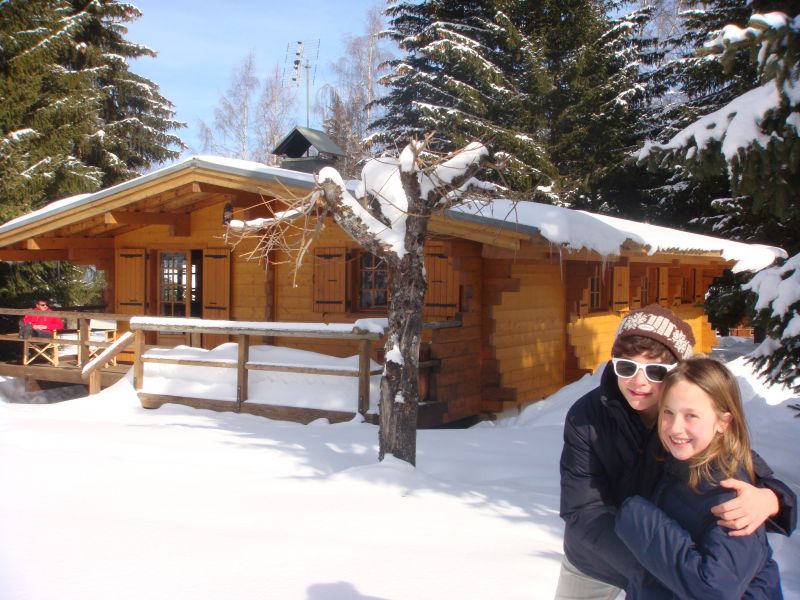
[(201, 42)]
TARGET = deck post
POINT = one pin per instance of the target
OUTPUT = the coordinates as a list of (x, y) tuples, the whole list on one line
[(241, 370), (363, 376), (83, 339), (138, 364), (94, 382)]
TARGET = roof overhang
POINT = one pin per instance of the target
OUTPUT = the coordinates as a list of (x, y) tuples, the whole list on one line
[(161, 197)]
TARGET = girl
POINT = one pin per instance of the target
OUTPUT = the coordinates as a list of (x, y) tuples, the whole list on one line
[(675, 537)]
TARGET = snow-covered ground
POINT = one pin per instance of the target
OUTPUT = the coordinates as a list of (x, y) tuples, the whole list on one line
[(102, 500)]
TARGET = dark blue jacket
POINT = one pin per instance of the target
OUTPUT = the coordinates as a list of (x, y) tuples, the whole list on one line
[(608, 456), (677, 539)]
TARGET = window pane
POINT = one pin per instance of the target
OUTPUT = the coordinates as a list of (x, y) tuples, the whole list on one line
[(366, 298), (381, 298), (373, 279)]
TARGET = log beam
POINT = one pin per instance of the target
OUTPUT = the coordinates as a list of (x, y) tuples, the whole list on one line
[(179, 225), (67, 243)]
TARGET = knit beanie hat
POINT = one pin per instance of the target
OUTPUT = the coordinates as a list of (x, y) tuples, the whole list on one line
[(659, 324)]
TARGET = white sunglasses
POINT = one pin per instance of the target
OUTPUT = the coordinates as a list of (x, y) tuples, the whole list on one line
[(655, 372)]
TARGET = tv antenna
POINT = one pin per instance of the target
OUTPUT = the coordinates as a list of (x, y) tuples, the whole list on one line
[(302, 55)]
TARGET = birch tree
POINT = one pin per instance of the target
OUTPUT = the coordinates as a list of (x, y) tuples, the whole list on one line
[(252, 115), (388, 216), (347, 107)]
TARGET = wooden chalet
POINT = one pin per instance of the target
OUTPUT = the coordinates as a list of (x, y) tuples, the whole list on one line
[(516, 312)]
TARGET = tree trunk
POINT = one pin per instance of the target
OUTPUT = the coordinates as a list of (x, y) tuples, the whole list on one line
[(400, 384)]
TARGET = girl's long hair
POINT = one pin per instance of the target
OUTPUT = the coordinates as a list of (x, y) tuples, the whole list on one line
[(729, 451)]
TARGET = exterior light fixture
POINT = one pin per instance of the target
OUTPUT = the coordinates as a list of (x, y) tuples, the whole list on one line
[(227, 214)]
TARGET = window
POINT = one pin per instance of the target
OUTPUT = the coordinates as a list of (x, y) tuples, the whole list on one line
[(595, 297), (645, 299), (373, 282), (353, 280), (688, 279), (172, 284), (178, 285)]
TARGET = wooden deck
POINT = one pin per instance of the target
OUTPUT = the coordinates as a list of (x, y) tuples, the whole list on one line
[(92, 362), (66, 372)]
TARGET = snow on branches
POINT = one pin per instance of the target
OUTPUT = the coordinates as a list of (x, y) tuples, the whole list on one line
[(756, 134), (778, 291), (375, 211)]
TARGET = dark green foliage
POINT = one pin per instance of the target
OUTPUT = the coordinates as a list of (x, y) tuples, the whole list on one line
[(736, 187), (748, 195), (554, 88), (469, 73), (727, 305), (61, 283), (778, 357), (73, 117)]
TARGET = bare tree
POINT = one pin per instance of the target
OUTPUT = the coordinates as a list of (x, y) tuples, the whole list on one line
[(245, 127), (389, 217), (345, 108)]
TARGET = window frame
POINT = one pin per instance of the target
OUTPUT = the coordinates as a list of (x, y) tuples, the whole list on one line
[(357, 289)]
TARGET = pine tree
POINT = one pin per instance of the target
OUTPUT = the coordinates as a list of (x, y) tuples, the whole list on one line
[(73, 118), (136, 120), (553, 87), (778, 306), (600, 122), (469, 73), (753, 136), (72, 115), (46, 110), (723, 200)]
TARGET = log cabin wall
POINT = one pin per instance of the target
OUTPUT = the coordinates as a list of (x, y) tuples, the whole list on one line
[(457, 382), (524, 308), (293, 297), (248, 278), (679, 287)]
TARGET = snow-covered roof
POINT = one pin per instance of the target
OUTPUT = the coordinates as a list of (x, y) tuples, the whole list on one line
[(231, 166), (572, 230), (578, 230)]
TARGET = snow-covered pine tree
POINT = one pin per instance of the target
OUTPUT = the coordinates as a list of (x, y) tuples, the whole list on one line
[(136, 121), (692, 85), (553, 86), (469, 72), (605, 88), (73, 118), (700, 184), (755, 135), (778, 291), (45, 108)]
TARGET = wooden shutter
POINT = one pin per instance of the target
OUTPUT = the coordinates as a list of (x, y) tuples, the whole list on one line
[(330, 280), (441, 295), (621, 288), (583, 303), (216, 283), (699, 288), (663, 287), (216, 291), (129, 281)]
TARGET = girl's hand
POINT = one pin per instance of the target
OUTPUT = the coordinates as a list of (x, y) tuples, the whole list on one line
[(748, 511)]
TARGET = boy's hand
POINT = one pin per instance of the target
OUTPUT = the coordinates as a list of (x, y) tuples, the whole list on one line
[(748, 511)]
